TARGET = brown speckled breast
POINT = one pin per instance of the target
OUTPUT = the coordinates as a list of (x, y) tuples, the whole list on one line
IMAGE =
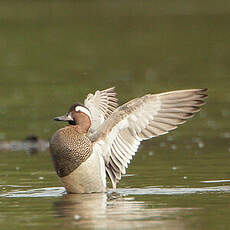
[(69, 149)]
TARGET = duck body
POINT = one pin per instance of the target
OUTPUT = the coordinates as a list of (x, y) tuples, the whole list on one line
[(102, 138), (80, 169)]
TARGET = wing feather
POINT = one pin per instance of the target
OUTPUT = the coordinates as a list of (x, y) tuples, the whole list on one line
[(140, 119), (101, 106)]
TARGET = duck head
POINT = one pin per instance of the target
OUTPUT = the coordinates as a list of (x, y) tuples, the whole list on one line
[(79, 116)]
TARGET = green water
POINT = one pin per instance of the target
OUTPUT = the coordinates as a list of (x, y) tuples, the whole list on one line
[(53, 53)]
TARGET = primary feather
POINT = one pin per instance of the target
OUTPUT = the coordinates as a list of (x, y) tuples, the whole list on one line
[(118, 136)]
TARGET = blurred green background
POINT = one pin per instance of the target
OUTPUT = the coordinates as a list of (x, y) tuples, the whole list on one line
[(53, 53)]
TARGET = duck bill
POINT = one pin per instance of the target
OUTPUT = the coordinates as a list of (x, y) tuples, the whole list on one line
[(64, 118)]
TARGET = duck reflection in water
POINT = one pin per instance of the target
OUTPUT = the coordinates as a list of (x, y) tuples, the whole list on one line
[(112, 211)]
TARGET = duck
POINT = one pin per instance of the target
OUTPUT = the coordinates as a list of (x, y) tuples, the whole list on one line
[(102, 137)]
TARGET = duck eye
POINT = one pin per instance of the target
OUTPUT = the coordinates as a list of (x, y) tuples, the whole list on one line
[(72, 122)]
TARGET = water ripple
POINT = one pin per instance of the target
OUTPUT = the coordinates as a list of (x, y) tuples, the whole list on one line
[(60, 191)]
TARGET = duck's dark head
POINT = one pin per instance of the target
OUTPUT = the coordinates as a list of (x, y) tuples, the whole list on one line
[(79, 115)]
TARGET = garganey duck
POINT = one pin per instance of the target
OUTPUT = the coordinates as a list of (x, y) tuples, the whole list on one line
[(102, 138)]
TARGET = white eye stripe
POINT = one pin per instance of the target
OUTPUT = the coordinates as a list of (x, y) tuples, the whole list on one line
[(83, 110)]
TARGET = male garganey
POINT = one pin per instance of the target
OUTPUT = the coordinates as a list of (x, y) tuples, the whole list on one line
[(102, 138)]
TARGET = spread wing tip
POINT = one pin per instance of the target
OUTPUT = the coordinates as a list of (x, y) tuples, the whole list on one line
[(144, 118)]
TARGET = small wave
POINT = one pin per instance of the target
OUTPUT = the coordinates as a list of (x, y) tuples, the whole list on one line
[(60, 191)]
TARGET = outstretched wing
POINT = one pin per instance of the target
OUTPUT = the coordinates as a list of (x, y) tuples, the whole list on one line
[(142, 118), (101, 105)]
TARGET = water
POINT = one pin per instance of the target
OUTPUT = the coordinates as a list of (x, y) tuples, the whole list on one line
[(54, 53)]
